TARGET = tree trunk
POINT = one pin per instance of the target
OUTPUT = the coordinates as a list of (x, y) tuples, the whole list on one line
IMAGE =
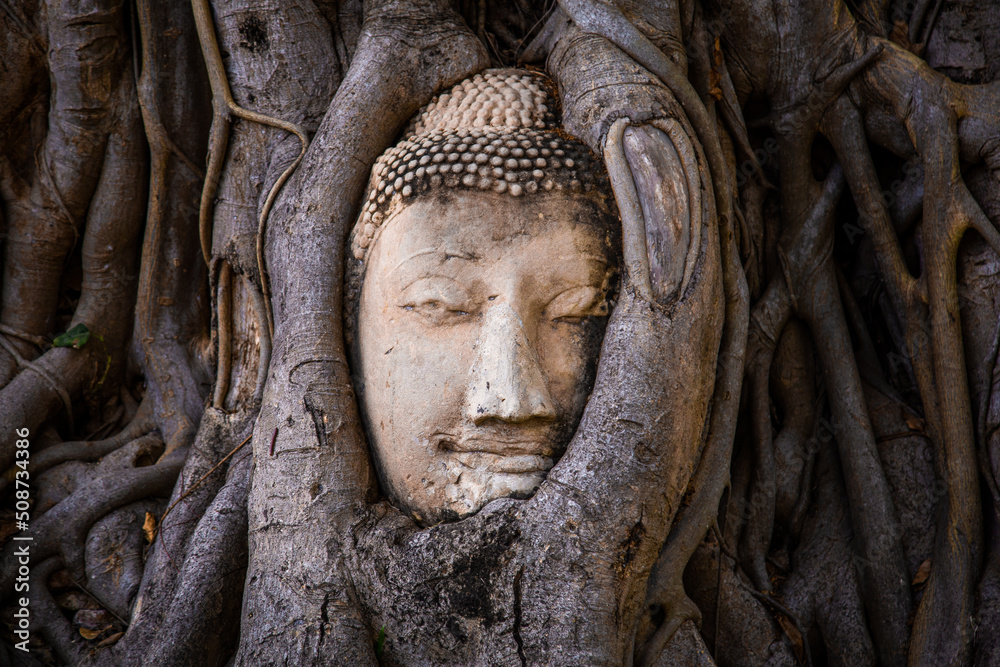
[(790, 452)]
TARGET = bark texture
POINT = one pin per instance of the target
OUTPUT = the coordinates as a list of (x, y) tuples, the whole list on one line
[(791, 452)]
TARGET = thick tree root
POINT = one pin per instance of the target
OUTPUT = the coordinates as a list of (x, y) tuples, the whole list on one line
[(853, 557), (712, 476), (115, 218), (63, 529), (199, 625), (605, 19), (116, 555), (824, 589), (53, 626), (47, 214), (687, 647), (795, 396), (767, 320), (941, 629), (738, 628), (193, 530), (171, 309), (86, 450), (805, 249)]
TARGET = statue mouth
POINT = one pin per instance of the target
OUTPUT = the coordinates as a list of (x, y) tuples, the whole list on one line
[(500, 453)]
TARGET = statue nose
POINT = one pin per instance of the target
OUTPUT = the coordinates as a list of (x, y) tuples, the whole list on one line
[(506, 380)]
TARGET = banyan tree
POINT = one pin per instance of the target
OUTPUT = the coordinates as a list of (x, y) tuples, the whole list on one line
[(576, 332)]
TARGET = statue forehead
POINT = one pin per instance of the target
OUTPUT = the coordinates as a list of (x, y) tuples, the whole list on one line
[(547, 237), (478, 217)]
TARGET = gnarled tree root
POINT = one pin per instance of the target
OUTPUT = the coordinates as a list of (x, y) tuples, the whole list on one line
[(87, 450), (63, 529), (199, 624)]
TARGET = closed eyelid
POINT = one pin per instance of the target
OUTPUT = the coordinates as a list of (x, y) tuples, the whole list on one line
[(581, 301), (434, 287)]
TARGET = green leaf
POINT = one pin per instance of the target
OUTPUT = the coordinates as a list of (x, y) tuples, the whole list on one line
[(75, 338), (380, 642)]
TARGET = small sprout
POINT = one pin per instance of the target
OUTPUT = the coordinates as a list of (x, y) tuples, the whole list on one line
[(75, 338), (380, 642)]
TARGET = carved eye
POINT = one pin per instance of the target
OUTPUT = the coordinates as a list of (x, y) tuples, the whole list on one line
[(439, 300), (577, 304), (436, 308)]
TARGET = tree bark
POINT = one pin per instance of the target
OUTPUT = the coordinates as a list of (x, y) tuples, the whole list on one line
[(791, 450)]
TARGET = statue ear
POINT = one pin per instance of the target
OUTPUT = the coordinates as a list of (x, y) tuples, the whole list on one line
[(655, 177)]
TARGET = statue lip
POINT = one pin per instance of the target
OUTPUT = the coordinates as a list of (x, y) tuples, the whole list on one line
[(498, 444), (500, 453), (505, 463)]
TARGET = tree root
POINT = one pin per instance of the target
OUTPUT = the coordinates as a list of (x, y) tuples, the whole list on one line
[(52, 625), (687, 647), (309, 344), (38, 341), (29, 400), (205, 476), (767, 320), (823, 587), (941, 629), (601, 18), (712, 475), (872, 512), (795, 396), (24, 364), (224, 310), (738, 627), (805, 249), (201, 624), (633, 225), (116, 556), (171, 310), (114, 219), (63, 529), (224, 105), (681, 610), (86, 450), (201, 486), (706, 485), (839, 592), (46, 217)]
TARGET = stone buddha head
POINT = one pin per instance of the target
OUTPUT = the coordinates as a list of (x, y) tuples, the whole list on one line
[(479, 281)]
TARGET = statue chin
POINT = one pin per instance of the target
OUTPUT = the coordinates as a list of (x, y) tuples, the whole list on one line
[(480, 321), (474, 488)]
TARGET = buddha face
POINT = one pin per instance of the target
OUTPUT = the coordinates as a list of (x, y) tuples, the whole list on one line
[(479, 325)]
